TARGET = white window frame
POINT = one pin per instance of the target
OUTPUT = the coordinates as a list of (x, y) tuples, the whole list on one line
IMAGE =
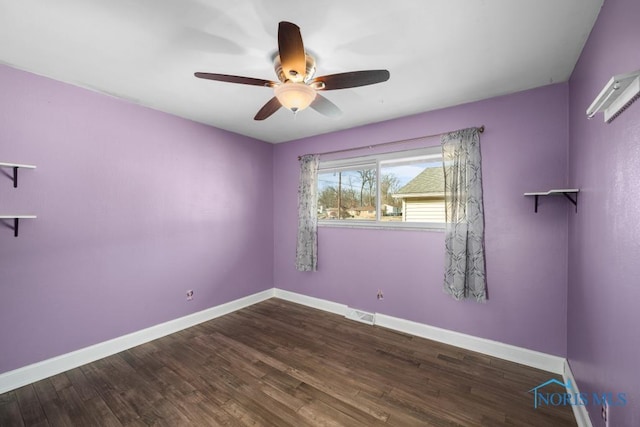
[(377, 161)]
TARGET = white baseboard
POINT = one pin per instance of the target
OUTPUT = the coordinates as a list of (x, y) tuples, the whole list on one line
[(532, 358), (524, 356), (320, 304), (47, 368), (579, 411)]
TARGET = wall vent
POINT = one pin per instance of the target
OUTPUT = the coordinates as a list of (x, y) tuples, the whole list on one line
[(617, 95), (360, 316)]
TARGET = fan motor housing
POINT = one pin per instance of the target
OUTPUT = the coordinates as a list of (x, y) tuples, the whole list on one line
[(310, 70)]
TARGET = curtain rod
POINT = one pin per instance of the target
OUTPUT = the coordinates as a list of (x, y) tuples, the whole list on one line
[(382, 144)]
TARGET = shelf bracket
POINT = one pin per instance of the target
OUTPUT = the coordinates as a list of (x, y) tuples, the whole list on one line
[(16, 225), (571, 199), (15, 167), (16, 222)]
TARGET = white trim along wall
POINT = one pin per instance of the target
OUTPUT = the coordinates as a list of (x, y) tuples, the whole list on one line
[(26, 375), (50, 367)]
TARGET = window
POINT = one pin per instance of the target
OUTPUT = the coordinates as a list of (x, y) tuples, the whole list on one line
[(404, 189)]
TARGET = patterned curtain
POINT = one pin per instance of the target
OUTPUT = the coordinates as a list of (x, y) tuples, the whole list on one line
[(464, 275), (307, 246)]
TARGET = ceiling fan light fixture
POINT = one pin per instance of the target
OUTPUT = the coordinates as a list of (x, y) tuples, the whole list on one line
[(295, 96), (296, 70)]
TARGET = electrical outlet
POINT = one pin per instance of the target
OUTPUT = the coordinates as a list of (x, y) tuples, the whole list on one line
[(380, 296), (189, 295)]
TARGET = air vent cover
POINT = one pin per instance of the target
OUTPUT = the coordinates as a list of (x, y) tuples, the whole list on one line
[(617, 95), (360, 316)]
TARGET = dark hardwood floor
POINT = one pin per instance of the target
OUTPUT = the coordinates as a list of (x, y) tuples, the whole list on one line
[(282, 364)]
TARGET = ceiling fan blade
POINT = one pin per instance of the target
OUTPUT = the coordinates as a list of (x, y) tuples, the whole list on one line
[(350, 79), (235, 79), (268, 109), (323, 106), (291, 49)]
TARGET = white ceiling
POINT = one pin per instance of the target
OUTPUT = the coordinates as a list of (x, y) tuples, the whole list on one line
[(439, 53)]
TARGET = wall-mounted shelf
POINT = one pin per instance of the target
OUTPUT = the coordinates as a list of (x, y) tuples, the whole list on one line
[(15, 167), (570, 193), (16, 221)]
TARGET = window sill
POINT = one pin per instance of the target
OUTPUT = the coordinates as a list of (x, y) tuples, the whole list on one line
[(382, 225)]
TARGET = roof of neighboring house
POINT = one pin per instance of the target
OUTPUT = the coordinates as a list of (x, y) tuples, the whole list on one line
[(429, 182)]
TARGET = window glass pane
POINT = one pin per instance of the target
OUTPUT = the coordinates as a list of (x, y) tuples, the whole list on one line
[(348, 194), (412, 191)]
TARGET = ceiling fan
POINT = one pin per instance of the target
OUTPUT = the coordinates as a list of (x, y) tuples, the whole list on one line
[(298, 89)]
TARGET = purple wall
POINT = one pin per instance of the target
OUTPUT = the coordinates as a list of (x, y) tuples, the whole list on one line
[(604, 246), (524, 148), (134, 208)]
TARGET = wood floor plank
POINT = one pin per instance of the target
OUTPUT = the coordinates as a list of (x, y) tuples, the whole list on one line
[(100, 412), (10, 415), (124, 403), (45, 391), (80, 383), (30, 408), (60, 381), (8, 397), (59, 413), (282, 364), (353, 413)]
